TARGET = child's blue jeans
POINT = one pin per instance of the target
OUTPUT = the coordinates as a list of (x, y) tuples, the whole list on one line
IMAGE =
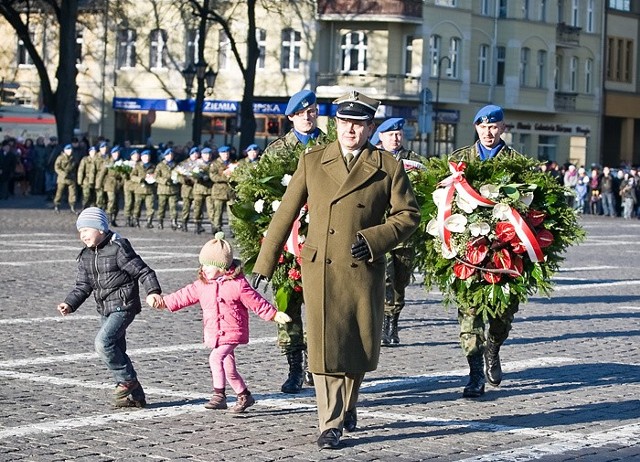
[(111, 345)]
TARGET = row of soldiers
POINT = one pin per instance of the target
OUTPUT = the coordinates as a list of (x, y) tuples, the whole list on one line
[(106, 180)]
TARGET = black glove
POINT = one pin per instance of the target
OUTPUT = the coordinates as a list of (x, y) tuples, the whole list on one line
[(256, 279), (360, 249)]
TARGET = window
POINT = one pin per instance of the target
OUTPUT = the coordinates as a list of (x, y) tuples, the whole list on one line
[(450, 3), (619, 59), (622, 5), (500, 65), (557, 81), (224, 50), (261, 38), (575, 13), (526, 9), (483, 56), (547, 147), (542, 10), (588, 76), (126, 48), (434, 52), (484, 7), (79, 43), (590, 13), (158, 49), (542, 69), (291, 44), (191, 53), (269, 126), (24, 59), (408, 55), (573, 74), (454, 55), (354, 52), (524, 66), (502, 9)]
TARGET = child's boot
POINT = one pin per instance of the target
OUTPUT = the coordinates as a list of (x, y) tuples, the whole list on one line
[(217, 401), (136, 397), (244, 400)]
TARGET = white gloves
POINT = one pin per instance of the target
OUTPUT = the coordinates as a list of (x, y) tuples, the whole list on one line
[(282, 318)]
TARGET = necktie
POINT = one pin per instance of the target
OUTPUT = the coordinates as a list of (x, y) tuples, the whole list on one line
[(348, 157)]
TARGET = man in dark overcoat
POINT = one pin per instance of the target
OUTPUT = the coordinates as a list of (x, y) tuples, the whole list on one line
[(361, 205)]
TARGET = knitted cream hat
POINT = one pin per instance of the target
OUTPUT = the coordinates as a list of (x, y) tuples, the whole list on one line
[(217, 252)]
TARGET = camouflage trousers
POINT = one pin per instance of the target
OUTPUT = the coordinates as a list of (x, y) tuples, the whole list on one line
[(186, 207), (472, 330), (129, 201), (71, 193), (149, 206), (219, 206), (399, 269), (88, 196), (113, 201), (291, 336), (172, 201), (200, 202)]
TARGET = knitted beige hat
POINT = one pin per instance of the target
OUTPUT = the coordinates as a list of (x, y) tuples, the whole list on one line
[(217, 252)]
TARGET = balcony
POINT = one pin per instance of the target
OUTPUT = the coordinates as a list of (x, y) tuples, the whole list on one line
[(567, 36), (354, 8), (388, 86), (564, 101)]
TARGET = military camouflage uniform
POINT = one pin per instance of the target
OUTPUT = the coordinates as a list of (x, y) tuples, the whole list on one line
[(291, 338), (112, 183), (66, 169), (167, 190), (144, 192), (399, 263), (101, 195), (129, 192), (202, 194), (88, 171), (220, 193), (472, 326), (186, 190)]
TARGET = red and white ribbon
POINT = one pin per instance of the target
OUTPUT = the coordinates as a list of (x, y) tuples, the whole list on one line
[(526, 235), (293, 241)]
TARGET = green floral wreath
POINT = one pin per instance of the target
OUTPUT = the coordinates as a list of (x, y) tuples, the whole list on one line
[(473, 253)]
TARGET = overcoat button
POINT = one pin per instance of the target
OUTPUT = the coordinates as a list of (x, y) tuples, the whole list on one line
[(360, 206), (328, 261), (331, 230), (354, 265)]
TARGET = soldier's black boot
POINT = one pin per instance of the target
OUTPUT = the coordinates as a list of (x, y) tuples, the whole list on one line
[(199, 229), (386, 330), (293, 384), (308, 376), (161, 224), (493, 369), (174, 224), (112, 221), (475, 387), (149, 223), (136, 222), (184, 226), (129, 222), (393, 332)]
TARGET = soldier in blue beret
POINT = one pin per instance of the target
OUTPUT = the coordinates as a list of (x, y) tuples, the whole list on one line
[(302, 112), (66, 169), (399, 261), (185, 176), (88, 171), (483, 352)]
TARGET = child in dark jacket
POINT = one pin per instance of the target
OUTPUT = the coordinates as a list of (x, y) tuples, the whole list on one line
[(110, 268), (225, 296)]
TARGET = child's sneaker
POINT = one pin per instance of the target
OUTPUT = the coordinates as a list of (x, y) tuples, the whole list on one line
[(124, 389), (243, 402), (217, 401)]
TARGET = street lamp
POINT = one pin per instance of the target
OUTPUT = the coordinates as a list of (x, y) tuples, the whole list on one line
[(435, 122), (205, 80)]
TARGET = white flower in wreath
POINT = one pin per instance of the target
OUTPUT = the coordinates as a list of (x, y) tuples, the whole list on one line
[(501, 212), (439, 197), (465, 205), (285, 180), (448, 253), (275, 205), (432, 227), (490, 191), (527, 198), (456, 223), (480, 228), (258, 205)]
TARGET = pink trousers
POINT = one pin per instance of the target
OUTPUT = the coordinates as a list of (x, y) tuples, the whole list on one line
[(222, 362)]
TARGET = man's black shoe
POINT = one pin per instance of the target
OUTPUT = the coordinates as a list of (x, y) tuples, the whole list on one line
[(329, 439), (350, 421)]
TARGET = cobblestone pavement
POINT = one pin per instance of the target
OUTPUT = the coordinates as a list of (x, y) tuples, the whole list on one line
[(571, 388)]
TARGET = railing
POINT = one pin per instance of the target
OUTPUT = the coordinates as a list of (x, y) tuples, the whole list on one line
[(565, 101), (381, 86), (567, 35), (409, 8)]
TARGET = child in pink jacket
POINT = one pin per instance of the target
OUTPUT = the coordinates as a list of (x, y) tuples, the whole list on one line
[(225, 296)]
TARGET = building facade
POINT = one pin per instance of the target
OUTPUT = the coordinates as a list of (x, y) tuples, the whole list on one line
[(434, 62)]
